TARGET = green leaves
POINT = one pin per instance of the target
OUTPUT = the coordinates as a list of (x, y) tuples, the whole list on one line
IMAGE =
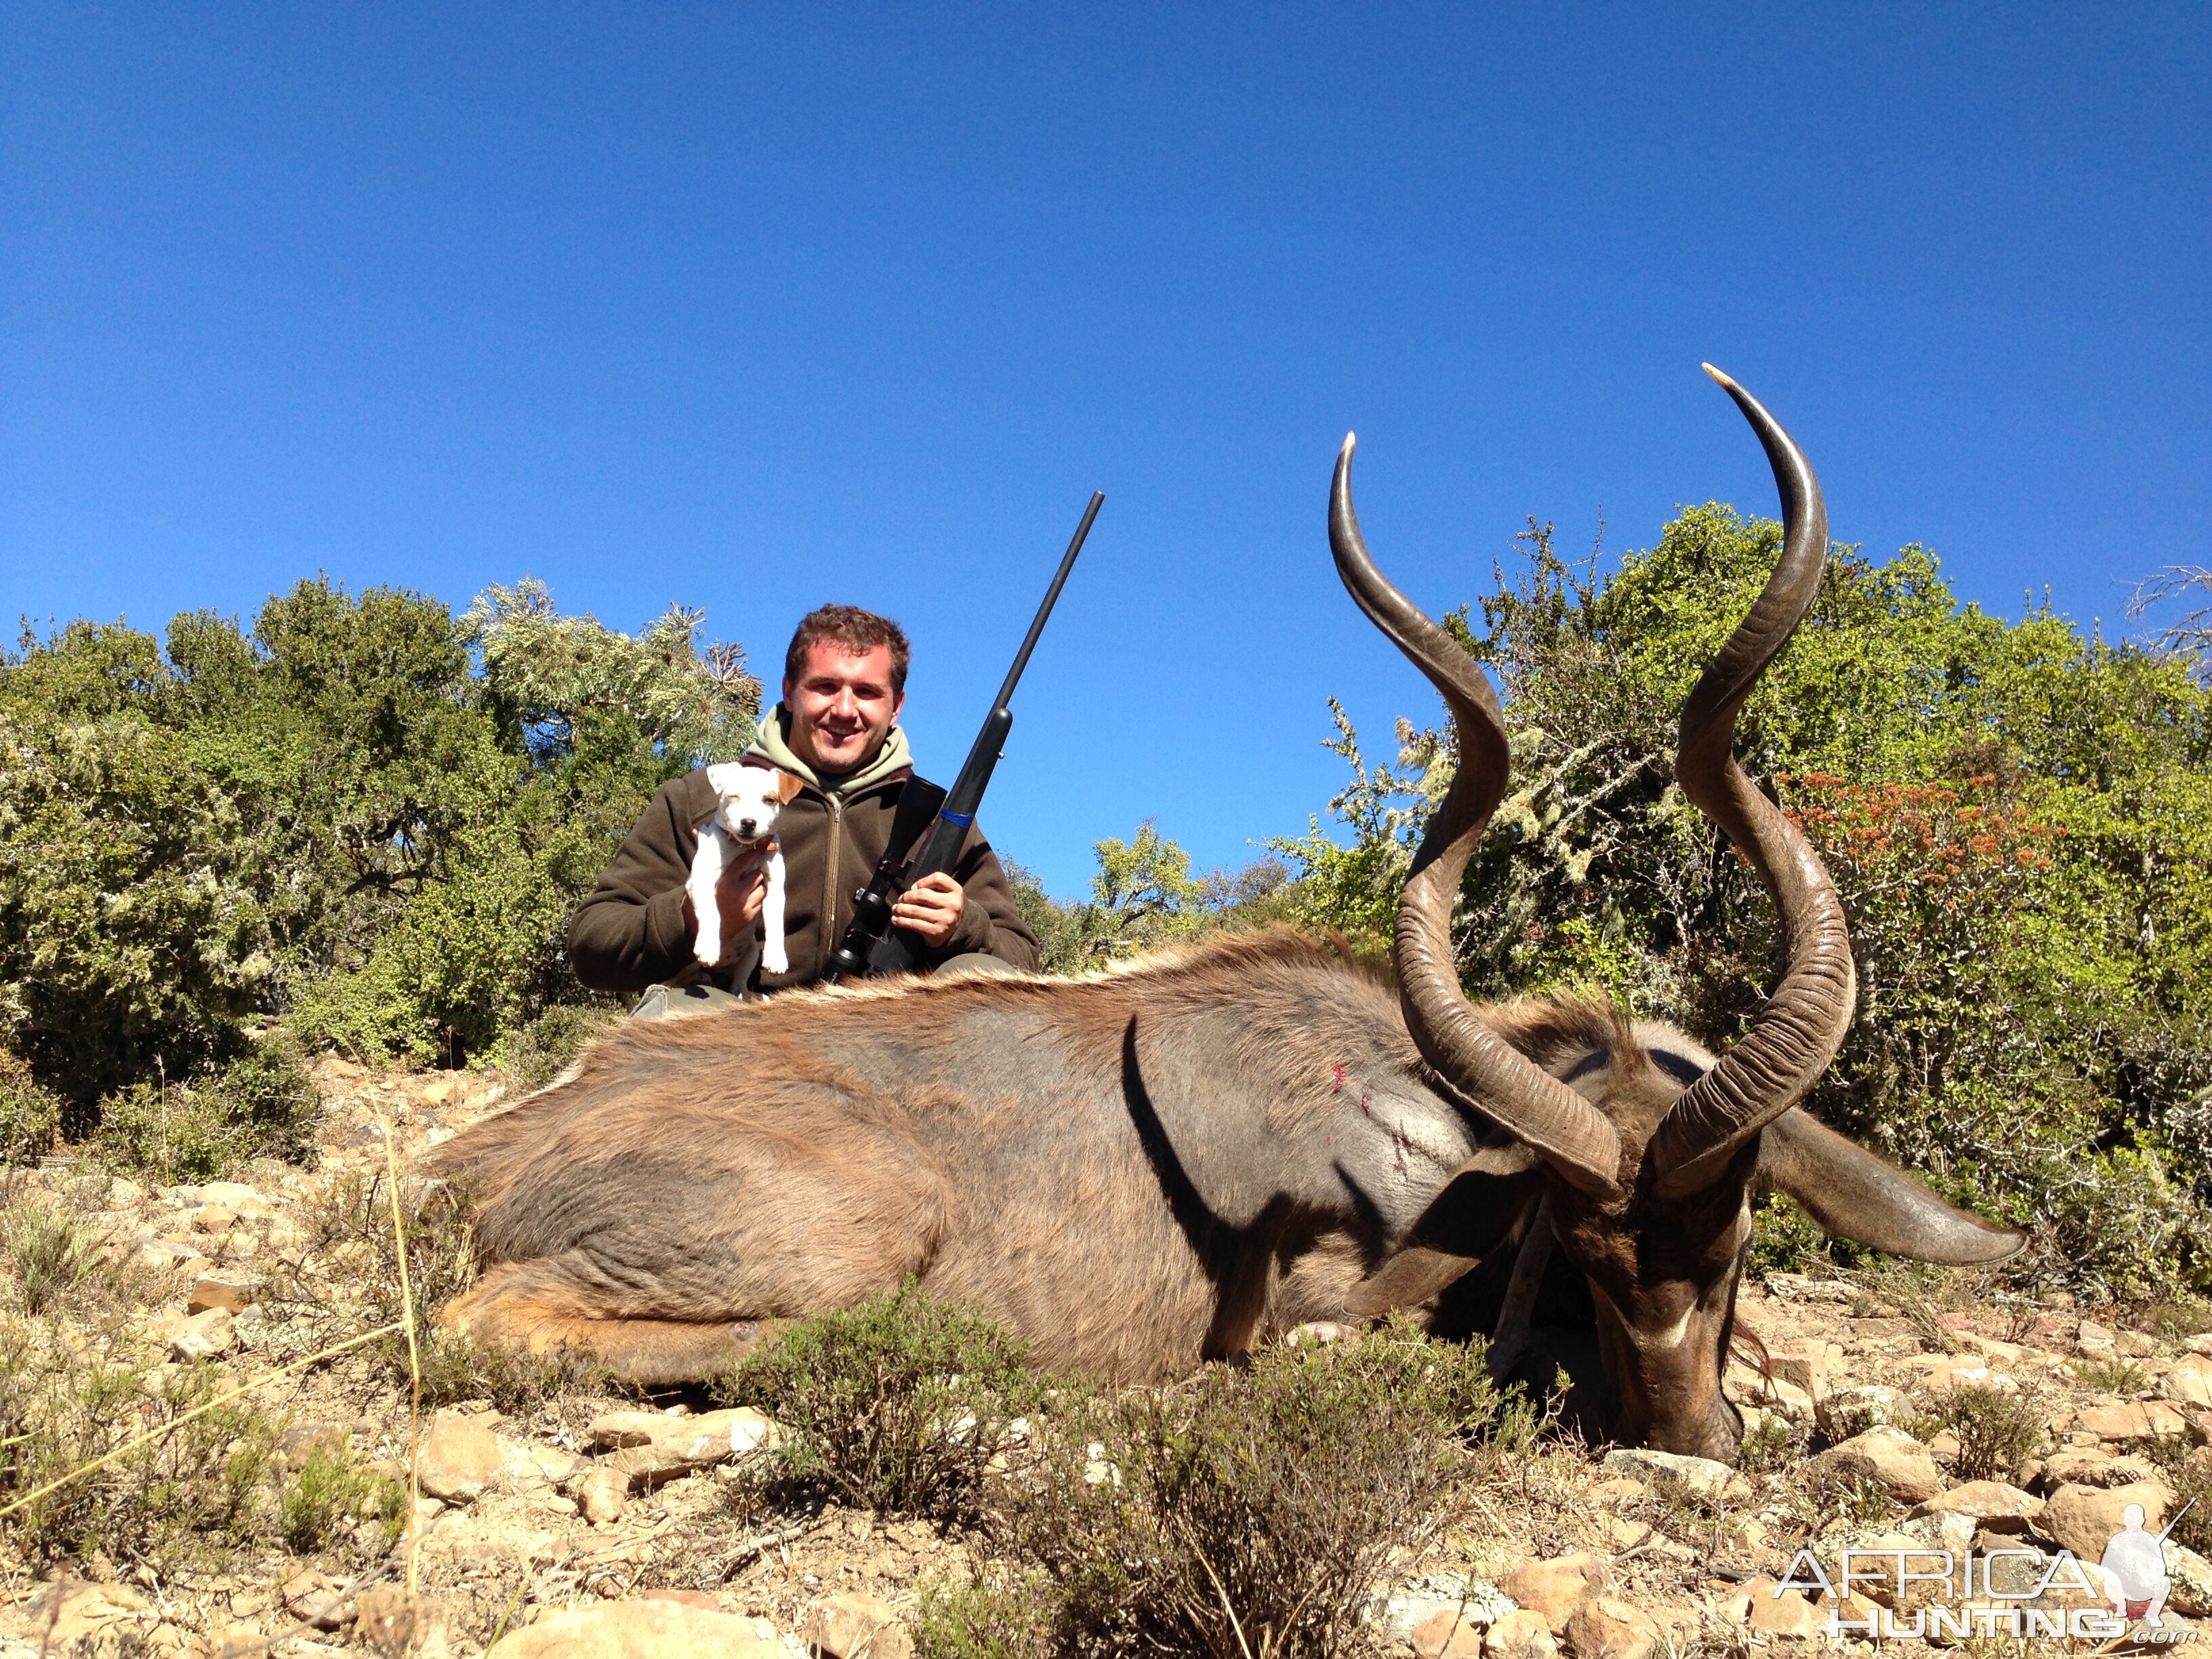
[(367, 813)]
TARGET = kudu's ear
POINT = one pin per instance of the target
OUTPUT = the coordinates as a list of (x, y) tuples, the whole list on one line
[(1867, 1200), (1463, 1223)]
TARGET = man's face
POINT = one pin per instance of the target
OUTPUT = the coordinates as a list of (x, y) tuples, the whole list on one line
[(842, 707)]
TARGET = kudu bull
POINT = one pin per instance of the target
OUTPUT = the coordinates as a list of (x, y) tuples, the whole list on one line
[(1165, 1164)]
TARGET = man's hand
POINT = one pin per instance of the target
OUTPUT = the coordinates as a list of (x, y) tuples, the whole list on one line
[(930, 909), (738, 894)]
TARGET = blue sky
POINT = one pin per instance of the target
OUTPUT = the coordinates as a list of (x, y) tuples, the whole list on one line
[(754, 307)]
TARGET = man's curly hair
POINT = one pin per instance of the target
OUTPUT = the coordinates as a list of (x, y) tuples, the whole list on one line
[(856, 629)]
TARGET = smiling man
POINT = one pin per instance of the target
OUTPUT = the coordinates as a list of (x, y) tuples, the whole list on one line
[(836, 729)]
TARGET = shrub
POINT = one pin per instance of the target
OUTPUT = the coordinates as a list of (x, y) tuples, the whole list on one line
[(30, 1114), (198, 1490), (898, 1405), (1997, 1430), (1250, 1512), (50, 1252), (329, 1494), (2188, 1470), (2113, 1376), (538, 1051)]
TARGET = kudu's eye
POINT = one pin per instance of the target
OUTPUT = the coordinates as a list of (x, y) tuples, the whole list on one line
[(1682, 1069), (1597, 1059)]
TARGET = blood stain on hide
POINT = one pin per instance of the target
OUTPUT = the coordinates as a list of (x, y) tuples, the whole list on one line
[(1339, 1070)]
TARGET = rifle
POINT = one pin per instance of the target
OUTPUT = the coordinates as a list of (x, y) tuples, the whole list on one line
[(871, 944)]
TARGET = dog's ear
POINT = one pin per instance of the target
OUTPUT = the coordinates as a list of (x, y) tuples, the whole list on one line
[(787, 785)]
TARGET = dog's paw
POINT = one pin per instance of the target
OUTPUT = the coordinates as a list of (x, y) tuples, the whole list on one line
[(772, 957)]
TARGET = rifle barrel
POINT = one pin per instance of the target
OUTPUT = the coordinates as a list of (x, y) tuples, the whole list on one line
[(1051, 598)]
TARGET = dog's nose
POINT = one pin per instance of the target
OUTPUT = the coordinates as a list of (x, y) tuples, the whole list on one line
[(748, 827)]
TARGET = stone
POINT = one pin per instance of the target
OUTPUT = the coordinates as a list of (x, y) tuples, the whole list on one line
[(301, 1440), (2189, 1381), (1519, 1635), (643, 1629), (1805, 1364), (394, 1626), (1989, 1347), (208, 1335), (460, 1457), (74, 1616), (1554, 1588), (2201, 1343), (1446, 1634), (2092, 1466), (439, 1092), (1603, 1628), (2189, 1577), (856, 1626), (2084, 1518), (228, 1294), (1671, 1473), (652, 1448), (1786, 1613), (603, 1496), (1997, 1506), (2094, 1340), (314, 1600), (1845, 1412), (2133, 1419), (1892, 1458)]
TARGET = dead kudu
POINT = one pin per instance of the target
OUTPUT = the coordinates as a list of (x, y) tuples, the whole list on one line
[(1169, 1163)]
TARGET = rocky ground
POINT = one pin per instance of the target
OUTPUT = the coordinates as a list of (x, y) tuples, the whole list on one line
[(581, 1522)]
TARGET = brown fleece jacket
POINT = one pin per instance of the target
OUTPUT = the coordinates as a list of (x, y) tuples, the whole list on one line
[(628, 932)]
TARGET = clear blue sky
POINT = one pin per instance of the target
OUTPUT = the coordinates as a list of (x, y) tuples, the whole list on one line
[(755, 307)]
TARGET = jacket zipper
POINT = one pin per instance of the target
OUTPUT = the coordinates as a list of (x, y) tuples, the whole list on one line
[(831, 933)]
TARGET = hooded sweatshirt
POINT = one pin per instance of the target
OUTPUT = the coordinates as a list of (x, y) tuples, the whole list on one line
[(629, 931)]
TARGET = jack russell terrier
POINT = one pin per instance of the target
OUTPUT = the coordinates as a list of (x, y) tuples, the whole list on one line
[(747, 799)]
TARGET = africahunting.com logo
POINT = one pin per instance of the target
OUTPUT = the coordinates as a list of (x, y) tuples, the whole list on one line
[(1879, 1591)]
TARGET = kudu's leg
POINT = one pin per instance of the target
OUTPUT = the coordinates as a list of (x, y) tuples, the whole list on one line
[(537, 1306)]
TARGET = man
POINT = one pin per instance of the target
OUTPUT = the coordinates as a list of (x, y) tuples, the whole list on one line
[(836, 730)]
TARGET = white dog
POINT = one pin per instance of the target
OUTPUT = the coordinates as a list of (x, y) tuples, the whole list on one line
[(747, 799)]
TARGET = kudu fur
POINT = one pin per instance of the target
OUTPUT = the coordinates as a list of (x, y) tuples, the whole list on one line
[(1168, 1163)]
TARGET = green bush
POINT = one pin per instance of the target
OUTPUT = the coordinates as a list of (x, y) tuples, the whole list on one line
[(1251, 1510), (30, 1114), (328, 1494), (262, 1105), (50, 1252), (899, 1405), (536, 1052), (193, 1493), (365, 812), (1997, 1430)]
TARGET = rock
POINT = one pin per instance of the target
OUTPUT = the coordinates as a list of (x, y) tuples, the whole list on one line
[(208, 1335), (122, 1193), (228, 1294), (1989, 1347), (393, 1626), (2094, 1341), (1848, 1411), (460, 1457), (1446, 1634), (655, 1629), (652, 1448), (2092, 1466), (603, 1496), (1805, 1364), (303, 1440), (2135, 1345), (2189, 1577), (244, 1202), (73, 1616), (1890, 1457), (314, 1600), (2201, 1343), (1519, 1635), (1671, 1473), (439, 1092), (856, 1626), (2084, 1518), (1997, 1506), (1554, 1588), (1603, 1628), (1776, 1612), (2189, 1381), (2133, 1420), (1472, 1601)]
